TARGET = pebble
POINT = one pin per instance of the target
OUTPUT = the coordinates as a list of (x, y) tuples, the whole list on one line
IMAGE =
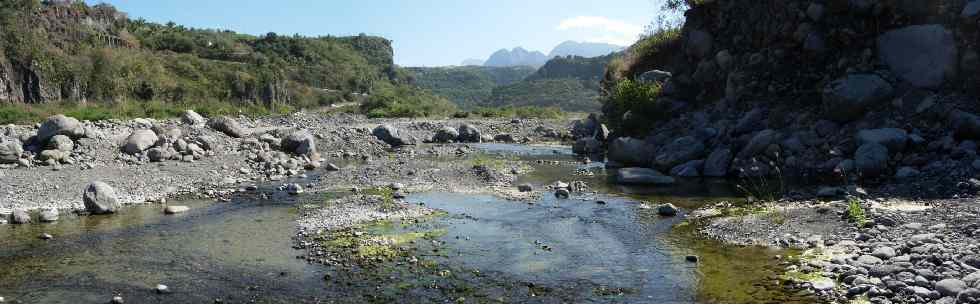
[(176, 209), (161, 289), (117, 300), (45, 236)]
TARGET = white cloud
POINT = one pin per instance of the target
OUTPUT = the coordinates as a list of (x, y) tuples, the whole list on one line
[(603, 29)]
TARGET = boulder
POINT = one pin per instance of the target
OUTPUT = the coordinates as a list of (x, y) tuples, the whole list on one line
[(654, 76), (49, 215), (906, 172), (20, 217), (585, 127), (192, 118), (688, 169), (294, 189), (699, 44), (679, 151), (59, 125), (630, 151), (391, 136), (469, 134), (965, 125), (950, 287), (667, 210), (176, 209), (53, 155), (10, 150), (61, 143), (759, 143), (871, 159), (717, 163), (506, 138), (892, 138), (139, 141), (972, 9), (586, 146), (228, 126), (100, 198), (847, 99), (300, 143), (922, 55), (158, 154), (642, 176), (445, 135)]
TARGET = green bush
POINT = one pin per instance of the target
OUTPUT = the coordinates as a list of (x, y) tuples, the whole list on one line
[(640, 100), (389, 100), (519, 112)]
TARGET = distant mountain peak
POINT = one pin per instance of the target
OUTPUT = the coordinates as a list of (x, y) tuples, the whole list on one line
[(516, 57)]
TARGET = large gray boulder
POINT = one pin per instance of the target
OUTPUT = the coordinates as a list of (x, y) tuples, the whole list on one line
[(469, 134), (391, 136), (965, 125), (299, 142), (642, 176), (922, 55), (689, 169), (10, 150), (100, 198), (718, 163), (871, 159), (892, 138), (972, 9), (588, 127), (59, 125), (228, 126), (847, 99), (759, 143), (192, 118), (139, 141), (699, 44), (445, 134), (630, 151), (679, 151)]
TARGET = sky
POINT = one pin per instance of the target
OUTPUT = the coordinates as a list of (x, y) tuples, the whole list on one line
[(424, 32)]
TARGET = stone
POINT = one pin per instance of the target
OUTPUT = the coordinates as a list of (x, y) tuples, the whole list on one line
[(679, 151), (894, 139), (655, 76), (332, 168), (161, 289), (10, 151), (49, 215), (585, 146), (562, 193), (971, 10), (54, 156), (823, 284), (950, 287), (469, 134), (61, 143), (139, 141), (294, 189), (584, 128), (965, 125), (717, 163), (724, 59), (629, 151), (831, 192), (299, 143), (100, 198), (849, 98), (667, 210), (117, 300), (752, 121), (59, 125), (525, 188), (871, 159), (699, 44), (759, 143), (884, 252), (922, 55), (192, 118), (175, 209), (642, 176), (815, 11), (906, 173), (228, 126), (445, 135), (506, 138), (20, 217), (158, 154), (392, 137), (869, 260), (688, 169)]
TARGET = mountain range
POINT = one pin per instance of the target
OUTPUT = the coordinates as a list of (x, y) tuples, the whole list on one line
[(522, 57)]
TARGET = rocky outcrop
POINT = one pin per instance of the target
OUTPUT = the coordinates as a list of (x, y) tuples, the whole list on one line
[(847, 99), (679, 151)]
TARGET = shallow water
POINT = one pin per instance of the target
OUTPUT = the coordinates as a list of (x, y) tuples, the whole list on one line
[(241, 251)]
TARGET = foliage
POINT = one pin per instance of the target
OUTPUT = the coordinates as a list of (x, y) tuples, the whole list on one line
[(95, 54), (855, 213), (589, 70), (389, 100), (633, 105), (468, 86), (569, 94)]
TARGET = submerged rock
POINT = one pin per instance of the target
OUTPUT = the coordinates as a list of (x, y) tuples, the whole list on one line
[(667, 210), (642, 176)]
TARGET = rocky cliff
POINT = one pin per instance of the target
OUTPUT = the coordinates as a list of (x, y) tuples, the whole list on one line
[(835, 89)]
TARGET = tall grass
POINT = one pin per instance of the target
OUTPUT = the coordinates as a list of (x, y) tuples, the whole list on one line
[(23, 114)]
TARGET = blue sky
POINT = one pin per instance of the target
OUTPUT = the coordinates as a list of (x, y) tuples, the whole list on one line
[(425, 32)]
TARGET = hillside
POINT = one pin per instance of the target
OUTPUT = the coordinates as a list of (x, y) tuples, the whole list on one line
[(467, 86), (54, 53)]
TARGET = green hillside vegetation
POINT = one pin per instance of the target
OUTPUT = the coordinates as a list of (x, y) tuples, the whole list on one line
[(568, 94), (467, 86), (56, 57)]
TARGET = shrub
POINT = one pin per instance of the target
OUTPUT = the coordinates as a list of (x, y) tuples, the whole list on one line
[(518, 112), (389, 100), (633, 106)]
